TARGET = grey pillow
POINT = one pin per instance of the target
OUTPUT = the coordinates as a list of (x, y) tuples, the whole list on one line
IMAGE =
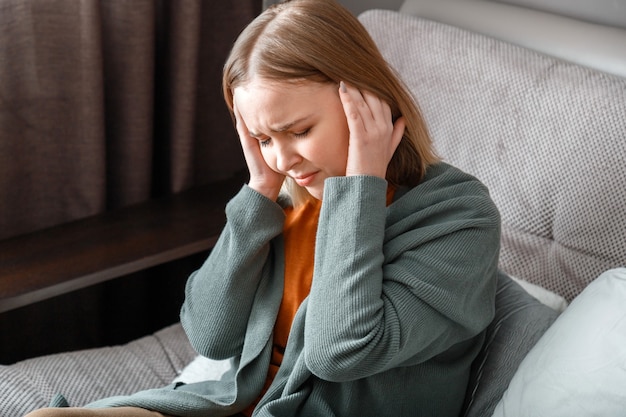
[(519, 322)]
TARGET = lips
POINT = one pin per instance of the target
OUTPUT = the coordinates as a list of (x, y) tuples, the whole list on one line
[(305, 179)]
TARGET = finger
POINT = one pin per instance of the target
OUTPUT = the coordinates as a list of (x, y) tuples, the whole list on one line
[(373, 112), (382, 120), (240, 125), (350, 98), (249, 144), (378, 108)]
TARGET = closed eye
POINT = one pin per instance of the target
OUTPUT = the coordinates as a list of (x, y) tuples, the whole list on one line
[(265, 142), (302, 134)]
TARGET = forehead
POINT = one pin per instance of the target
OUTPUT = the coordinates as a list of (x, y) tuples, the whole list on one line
[(268, 103), (260, 89)]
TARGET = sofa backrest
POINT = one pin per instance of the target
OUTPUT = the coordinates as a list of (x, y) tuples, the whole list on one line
[(548, 137), (586, 42)]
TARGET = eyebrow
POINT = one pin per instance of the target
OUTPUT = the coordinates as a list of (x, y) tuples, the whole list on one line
[(281, 128)]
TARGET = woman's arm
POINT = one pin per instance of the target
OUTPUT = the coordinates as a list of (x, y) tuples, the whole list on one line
[(220, 294), (385, 295)]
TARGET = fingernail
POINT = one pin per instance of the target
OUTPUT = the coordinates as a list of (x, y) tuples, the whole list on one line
[(342, 87)]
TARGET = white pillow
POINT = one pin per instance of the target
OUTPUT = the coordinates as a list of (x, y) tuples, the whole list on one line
[(545, 296), (203, 369), (578, 367)]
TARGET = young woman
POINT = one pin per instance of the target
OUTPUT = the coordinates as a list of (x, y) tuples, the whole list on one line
[(356, 272)]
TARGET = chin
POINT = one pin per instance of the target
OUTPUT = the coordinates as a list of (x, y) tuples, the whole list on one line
[(315, 193), (316, 196)]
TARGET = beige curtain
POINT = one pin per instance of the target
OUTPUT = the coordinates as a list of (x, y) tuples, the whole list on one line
[(105, 103)]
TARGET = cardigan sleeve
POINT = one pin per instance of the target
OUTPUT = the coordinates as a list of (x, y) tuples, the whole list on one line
[(399, 285), (219, 296)]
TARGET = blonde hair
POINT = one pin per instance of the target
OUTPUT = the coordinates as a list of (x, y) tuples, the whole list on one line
[(321, 41)]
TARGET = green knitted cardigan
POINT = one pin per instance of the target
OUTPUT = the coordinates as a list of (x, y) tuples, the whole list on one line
[(400, 299)]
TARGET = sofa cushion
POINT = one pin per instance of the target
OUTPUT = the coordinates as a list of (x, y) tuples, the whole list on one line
[(578, 368), (547, 137), (87, 375)]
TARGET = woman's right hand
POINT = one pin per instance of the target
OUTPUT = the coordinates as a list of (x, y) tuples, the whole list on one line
[(263, 179)]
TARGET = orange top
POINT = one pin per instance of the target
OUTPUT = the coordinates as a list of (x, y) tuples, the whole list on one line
[(299, 236)]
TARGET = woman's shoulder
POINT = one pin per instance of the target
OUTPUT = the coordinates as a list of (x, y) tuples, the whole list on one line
[(442, 179), (447, 187)]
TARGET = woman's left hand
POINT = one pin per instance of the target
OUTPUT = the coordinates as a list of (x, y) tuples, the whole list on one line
[(374, 137)]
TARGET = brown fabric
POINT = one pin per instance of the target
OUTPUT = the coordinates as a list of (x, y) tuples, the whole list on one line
[(107, 103)]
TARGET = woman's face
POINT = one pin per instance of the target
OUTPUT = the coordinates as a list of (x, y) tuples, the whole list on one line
[(301, 128)]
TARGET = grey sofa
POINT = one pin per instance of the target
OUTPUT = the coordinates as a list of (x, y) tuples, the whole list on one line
[(548, 137)]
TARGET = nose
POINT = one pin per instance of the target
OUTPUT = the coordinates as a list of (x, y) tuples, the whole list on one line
[(287, 156)]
